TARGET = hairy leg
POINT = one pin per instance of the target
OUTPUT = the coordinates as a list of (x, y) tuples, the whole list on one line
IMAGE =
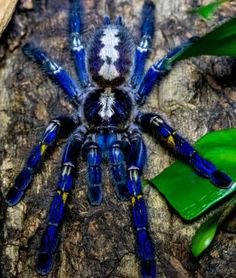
[(61, 126), (156, 72), (146, 31), (50, 236), (77, 48), (92, 155), (144, 244), (155, 125), (118, 170), (57, 73)]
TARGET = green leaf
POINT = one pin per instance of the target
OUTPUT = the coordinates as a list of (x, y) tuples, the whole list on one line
[(220, 42), (206, 233), (206, 11), (191, 194)]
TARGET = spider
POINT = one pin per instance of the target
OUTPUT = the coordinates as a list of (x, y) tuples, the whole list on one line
[(108, 96)]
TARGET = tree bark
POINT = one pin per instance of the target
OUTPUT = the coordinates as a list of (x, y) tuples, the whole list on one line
[(197, 96)]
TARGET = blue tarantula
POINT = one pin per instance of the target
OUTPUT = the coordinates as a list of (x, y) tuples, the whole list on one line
[(111, 89)]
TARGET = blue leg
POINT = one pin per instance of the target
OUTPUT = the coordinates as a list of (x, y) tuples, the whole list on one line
[(73, 92), (118, 20), (145, 246), (78, 51), (94, 174), (155, 125), (106, 20), (142, 51), (156, 72), (118, 171), (60, 126), (50, 236)]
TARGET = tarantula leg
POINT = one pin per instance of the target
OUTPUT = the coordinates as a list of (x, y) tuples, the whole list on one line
[(145, 247), (75, 30), (51, 68), (142, 50), (154, 124), (50, 236), (118, 171), (61, 126), (156, 72), (119, 20), (94, 174), (106, 20)]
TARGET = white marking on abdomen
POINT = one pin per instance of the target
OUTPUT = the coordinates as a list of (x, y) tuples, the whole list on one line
[(110, 40), (106, 102)]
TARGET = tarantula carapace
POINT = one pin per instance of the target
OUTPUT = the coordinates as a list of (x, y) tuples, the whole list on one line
[(109, 94)]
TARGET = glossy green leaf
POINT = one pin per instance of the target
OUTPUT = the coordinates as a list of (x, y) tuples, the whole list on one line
[(206, 11), (206, 233), (191, 194), (220, 42)]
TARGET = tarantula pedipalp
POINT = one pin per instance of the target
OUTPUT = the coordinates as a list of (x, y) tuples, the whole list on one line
[(112, 88)]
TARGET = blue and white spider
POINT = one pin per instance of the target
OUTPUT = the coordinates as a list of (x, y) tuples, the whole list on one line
[(111, 89)]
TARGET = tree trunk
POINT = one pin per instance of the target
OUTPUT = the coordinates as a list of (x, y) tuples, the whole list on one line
[(198, 95)]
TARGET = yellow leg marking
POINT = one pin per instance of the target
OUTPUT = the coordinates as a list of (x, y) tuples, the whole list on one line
[(132, 200), (171, 140), (64, 196), (139, 196), (43, 148)]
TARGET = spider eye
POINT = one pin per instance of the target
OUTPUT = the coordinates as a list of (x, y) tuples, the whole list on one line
[(110, 55)]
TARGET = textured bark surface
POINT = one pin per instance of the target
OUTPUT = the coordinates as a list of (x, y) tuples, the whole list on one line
[(198, 95)]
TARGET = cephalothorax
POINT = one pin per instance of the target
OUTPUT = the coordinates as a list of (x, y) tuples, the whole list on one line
[(111, 89)]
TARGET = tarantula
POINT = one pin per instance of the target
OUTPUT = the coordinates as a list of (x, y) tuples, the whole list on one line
[(109, 94)]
